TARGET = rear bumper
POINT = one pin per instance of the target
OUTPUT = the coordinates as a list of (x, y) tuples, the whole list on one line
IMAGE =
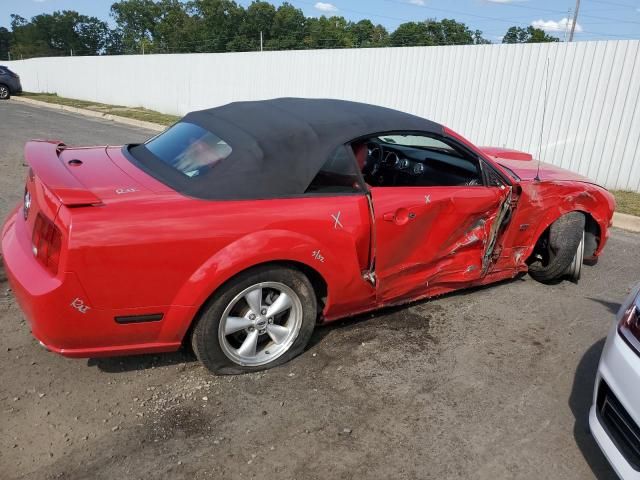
[(15, 87), (50, 305)]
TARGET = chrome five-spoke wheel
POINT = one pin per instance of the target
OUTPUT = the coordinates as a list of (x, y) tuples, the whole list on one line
[(259, 319), (260, 323)]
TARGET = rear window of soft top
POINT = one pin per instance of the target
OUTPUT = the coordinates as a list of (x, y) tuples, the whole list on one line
[(188, 148)]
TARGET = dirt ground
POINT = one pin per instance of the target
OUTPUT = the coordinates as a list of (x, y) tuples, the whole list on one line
[(490, 383)]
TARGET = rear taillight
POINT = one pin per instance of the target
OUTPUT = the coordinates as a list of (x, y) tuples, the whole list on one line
[(47, 242), (629, 326)]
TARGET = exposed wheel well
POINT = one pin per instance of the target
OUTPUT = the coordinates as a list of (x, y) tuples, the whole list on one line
[(591, 236), (317, 281)]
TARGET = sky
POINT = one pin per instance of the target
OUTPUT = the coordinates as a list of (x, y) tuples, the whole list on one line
[(597, 20)]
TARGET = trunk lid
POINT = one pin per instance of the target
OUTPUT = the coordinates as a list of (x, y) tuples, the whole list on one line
[(61, 179), (82, 176)]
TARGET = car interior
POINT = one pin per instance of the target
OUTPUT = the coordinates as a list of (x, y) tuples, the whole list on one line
[(397, 160), (415, 160)]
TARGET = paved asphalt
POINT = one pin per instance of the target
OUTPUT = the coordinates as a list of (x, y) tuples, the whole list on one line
[(491, 383)]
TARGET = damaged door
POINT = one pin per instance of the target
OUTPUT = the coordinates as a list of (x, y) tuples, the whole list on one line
[(430, 237)]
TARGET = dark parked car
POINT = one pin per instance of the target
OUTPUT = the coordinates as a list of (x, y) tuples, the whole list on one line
[(9, 83)]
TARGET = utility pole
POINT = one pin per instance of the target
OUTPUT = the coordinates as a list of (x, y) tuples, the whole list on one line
[(575, 20), (261, 40)]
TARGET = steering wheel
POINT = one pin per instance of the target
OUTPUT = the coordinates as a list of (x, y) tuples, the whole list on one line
[(374, 157)]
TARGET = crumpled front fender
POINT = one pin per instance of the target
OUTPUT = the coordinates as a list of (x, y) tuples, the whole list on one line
[(556, 199)]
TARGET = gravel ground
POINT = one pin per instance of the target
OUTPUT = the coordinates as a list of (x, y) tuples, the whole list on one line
[(490, 383)]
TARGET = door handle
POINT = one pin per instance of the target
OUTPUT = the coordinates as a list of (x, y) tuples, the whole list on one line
[(399, 217)]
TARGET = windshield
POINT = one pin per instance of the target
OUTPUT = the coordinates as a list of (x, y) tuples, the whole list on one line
[(418, 141), (188, 148)]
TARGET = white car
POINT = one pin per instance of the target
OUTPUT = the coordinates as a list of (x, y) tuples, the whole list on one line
[(615, 414)]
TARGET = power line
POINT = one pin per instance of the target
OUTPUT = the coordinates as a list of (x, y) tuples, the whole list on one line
[(615, 4), (504, 20), (483, 17), (548, 10)]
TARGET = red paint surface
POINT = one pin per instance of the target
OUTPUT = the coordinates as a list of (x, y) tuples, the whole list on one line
[(132, 246)]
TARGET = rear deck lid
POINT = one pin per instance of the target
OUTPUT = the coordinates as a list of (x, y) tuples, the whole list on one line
[(81, 176)]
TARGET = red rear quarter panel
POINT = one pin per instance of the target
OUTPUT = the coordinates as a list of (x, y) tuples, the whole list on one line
[(167, 251)]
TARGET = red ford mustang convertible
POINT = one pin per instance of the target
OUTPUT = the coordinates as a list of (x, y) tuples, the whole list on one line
[(240, 227)]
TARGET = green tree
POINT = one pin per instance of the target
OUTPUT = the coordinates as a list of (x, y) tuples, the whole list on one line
[(259, 17), (288, 28), (84, 35), (153, 27), (6, 38), (527, 35), (365, 34), (451, 32), (28, 39), (175, 28), (61, 33), (217, 23), (411, 34), (326, 32), (159, 26), (136, 21), (113, 44), (434, 32)]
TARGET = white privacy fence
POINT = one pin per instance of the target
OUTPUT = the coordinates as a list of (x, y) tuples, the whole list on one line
[(491, 94)]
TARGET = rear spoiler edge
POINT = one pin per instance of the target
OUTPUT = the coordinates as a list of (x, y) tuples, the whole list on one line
[(43, 157)]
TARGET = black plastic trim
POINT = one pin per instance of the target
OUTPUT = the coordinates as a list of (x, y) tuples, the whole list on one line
[(619, 425), (147, 317)]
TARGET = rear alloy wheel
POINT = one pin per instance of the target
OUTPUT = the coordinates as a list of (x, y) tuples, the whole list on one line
[(260, 324), (560, 251), (4, 92), (261, 319)]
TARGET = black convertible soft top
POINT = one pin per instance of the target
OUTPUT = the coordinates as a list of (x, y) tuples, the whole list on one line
[(278, 146)]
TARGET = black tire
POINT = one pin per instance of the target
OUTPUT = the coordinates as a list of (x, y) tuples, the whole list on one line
[(557, 248), (5, 93), (205, 340)]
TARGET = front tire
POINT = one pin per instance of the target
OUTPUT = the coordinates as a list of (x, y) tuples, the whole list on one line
[(559, 249), (262, 318), (5, 94)]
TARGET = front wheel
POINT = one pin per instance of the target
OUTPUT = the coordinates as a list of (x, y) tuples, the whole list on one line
[(262, 318), (4, 92), (560, 251)]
